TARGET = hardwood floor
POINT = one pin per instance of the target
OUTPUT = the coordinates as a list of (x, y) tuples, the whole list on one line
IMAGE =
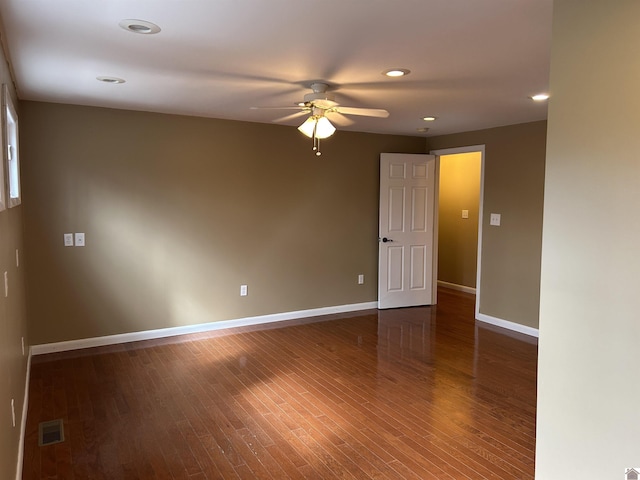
[(415, 393)]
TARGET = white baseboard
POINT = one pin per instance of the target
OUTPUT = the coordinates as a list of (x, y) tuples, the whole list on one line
[(455, 286), (23, 421), (199, 328), (516, 327)]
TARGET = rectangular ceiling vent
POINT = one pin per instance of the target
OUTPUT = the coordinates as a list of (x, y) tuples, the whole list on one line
[(50, 433)]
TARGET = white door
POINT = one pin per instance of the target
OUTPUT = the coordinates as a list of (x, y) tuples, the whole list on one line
[(405, 266)]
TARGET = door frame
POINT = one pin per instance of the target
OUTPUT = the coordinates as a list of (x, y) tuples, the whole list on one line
[(452, 151)]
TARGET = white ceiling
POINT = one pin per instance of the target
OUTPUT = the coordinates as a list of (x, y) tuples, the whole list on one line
[(473, 63)]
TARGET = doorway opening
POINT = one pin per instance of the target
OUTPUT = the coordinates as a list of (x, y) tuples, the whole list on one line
[(458, 236)]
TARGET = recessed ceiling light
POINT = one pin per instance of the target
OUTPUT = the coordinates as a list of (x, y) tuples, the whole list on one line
[(429, 118), (139, 26), (110, 79), (396, 72), (540, 97)]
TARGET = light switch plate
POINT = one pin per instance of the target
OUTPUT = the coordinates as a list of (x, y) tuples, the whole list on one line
[(495, 219), (465, 213), (68, 239), (79, 239), (243, 291), (360, 279)]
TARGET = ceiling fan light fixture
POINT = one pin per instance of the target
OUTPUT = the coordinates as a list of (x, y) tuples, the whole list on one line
[(324, 128), (318, 127), (308, 126), (396, 72), (139, 26)]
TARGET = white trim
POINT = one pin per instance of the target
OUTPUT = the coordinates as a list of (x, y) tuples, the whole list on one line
[(516, 327), (455, 286), (456, 150), (469, 149), (23, 421), (198, 328), (435, 236)]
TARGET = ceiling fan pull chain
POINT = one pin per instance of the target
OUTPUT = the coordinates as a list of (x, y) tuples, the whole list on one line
[(316, 140), (313, 137)]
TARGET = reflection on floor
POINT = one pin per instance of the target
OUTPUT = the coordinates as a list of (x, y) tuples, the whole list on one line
[(418, 393)]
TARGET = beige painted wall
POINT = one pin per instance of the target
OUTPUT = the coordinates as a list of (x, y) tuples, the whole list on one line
[(514, 188), (589, 355), (13, 323), (459, 189), (178, 212)]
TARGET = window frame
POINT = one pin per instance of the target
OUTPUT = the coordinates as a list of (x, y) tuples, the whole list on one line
[(4, 181), (11, 162)]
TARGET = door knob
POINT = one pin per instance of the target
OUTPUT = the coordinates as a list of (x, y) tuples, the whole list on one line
[(385, 240)]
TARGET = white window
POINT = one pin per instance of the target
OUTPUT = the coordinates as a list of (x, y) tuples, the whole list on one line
[(3, 204), (12, 152)]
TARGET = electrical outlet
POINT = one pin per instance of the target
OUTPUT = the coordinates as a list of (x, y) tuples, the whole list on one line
[(79, 239), (360, 279), (68, 239), (13, 413), (465, 213), (243, 291), (494, 219)]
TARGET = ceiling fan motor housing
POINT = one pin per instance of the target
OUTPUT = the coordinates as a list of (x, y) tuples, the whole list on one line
[(320, 98)]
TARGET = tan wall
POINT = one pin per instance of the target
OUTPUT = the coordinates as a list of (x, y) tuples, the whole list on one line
[(178, 212), (514, 188), (459, 189), (589, 356), (13, 323)]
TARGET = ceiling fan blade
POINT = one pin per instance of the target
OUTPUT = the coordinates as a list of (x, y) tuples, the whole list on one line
[(339, 119), (367, 112), (292, 107), (292, 116)]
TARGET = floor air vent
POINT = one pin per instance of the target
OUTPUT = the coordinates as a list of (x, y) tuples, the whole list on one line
[(50, 433)]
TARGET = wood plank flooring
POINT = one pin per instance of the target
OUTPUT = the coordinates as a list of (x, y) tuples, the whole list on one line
[(417, 393)]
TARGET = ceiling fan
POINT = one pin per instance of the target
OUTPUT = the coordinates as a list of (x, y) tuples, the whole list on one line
[(320, 106)]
